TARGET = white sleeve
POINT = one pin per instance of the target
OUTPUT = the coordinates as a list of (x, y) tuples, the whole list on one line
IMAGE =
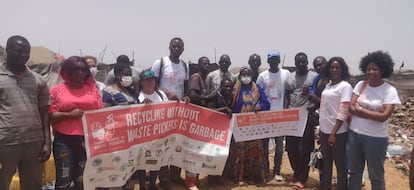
[(346, 94), (156, 67), (391, 96), (260, 82), (110, 78)]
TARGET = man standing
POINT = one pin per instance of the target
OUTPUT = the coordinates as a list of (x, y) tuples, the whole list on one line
[(197, 92), (273, 82), (214, 78), (254, 63), (321, 80), (299, 148), (319, 83), (24, 122), (172, 74)]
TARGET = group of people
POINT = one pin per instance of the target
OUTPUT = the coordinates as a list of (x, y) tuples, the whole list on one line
[(353, 121)]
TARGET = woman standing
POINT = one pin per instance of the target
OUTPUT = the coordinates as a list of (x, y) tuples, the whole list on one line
[(121, 91), (149, 94), (333, 134), (70, 99), (372, 104), (249, 155)]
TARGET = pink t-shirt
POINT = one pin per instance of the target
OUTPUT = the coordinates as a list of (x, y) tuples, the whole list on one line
[(65, 99)]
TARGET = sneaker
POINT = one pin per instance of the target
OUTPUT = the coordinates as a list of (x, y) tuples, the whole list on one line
[(278, 177), (193, 188)]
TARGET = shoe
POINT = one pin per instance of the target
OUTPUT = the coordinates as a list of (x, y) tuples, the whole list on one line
[(179, 181), (193, 188), (298, 185), (165, 185), (278, 177), (153, 187)]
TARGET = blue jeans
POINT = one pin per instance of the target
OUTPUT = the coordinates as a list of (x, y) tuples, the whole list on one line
[(372, 150), (278, 154), (70, 157)]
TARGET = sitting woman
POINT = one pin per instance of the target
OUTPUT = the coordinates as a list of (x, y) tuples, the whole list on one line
[(149, 94), (70, 99), (249, 155)]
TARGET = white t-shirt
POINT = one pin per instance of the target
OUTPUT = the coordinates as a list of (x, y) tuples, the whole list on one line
[(373, 98), (273, 85), (154, 97), (332, 96), (173, 77)]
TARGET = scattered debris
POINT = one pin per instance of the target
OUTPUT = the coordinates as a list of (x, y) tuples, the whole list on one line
[(401, 136)]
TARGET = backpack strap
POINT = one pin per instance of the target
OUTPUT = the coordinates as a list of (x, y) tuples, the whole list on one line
[(159, 94), (160, 71), (185, 67)]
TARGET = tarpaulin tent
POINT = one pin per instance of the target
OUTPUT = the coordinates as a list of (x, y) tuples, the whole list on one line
[(43, 61)]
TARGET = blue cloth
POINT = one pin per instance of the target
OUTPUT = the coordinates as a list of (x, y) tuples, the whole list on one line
[(247, 91), (70, 157), (114, 97), (315, 84)]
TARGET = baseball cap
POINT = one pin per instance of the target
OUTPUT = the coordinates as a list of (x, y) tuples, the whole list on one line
[(147, 74), (273, 54)]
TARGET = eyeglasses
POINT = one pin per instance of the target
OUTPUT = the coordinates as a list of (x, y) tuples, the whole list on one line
[(80, 69), (149, 73)]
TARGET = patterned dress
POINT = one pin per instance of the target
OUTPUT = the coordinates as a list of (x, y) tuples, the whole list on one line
[(249, 158)]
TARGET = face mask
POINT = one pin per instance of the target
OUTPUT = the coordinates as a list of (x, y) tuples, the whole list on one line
[(126, 81), (93, 71), (246, 80)]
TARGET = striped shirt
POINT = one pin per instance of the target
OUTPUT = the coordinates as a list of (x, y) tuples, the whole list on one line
[(20, 98)]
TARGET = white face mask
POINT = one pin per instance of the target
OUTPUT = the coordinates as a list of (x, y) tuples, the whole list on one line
[(94, 71), (246, 79), (126, 81)]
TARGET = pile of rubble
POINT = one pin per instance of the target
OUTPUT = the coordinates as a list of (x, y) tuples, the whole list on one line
[(401, 135)]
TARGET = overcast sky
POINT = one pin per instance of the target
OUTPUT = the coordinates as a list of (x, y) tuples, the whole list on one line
[(239, 28)]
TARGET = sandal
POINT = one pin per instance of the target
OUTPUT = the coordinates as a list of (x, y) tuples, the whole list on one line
[(298, 185)]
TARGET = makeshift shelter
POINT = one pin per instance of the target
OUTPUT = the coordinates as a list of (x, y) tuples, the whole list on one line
[(46, 63), (43, 61)]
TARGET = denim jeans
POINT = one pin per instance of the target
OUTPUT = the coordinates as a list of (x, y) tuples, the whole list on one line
[(372, 150), (278, 154), (70, 157)]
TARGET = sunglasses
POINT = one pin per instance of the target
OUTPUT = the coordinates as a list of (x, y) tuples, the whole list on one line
[(80, 69), (149, 73)]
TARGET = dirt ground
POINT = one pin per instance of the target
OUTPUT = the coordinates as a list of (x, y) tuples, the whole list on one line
[(395, 180)]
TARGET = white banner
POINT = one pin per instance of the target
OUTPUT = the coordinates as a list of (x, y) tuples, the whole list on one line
[(121, 140), (265, 124)]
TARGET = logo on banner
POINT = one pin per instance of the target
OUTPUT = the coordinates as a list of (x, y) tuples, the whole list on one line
[(104, 133)]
